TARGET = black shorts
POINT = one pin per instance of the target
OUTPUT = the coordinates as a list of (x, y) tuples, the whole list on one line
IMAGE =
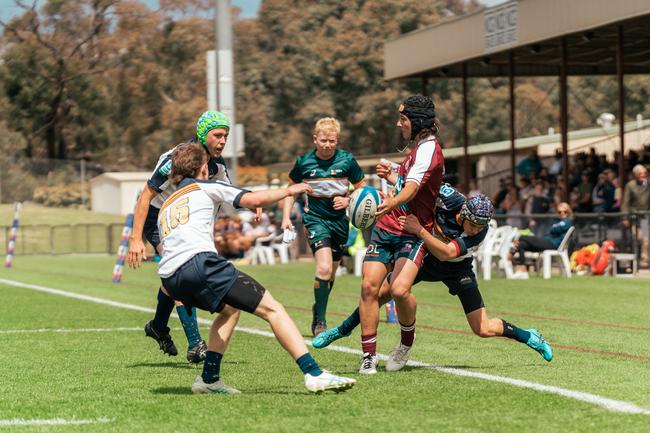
[(457, 276), (150, 229), (208, 281)]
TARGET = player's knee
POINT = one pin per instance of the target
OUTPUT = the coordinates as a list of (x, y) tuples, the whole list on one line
[(323, 270), (399, 291), (270, 310), (369, 290)]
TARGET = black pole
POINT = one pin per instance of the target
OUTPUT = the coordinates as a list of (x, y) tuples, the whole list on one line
[(621, 105), (564, 120), (511, 85), (466, 169)]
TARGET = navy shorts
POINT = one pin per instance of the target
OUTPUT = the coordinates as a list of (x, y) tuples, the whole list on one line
[(457, 276), (208, 281), (150, 229)]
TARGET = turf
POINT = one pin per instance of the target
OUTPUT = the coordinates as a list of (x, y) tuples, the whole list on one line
[(598, 328)]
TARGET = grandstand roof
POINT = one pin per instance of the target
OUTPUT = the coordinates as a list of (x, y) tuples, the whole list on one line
[(533, 31)]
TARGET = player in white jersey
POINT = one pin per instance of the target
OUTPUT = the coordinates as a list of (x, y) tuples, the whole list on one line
[(212, 131), (193, 272)]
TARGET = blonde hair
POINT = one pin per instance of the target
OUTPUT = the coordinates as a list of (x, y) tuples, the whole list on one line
[(638, 169), (564, 205), (327, 125)]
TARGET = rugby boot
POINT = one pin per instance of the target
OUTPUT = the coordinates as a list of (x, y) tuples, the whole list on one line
[(398, 358), (327, 381), (327, 337), (369, 363), (539, 344), (218, 387), (196, 354), (163, 338)]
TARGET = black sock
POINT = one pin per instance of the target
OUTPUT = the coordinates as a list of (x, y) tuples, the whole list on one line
[(511, 331), (164, 309)]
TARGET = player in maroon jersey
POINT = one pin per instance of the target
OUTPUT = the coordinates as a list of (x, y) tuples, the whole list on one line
[(416, 186)]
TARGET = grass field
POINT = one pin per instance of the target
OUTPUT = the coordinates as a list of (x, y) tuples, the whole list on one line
[(70, 359), (33, 214)]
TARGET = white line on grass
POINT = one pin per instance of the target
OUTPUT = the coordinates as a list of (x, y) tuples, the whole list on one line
[(54, 421), (609, 404), (71, 330)]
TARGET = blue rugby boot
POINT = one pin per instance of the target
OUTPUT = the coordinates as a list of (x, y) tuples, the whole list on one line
[(327, 337), (539, 344)]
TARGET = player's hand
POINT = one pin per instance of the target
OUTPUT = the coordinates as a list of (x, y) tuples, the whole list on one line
[(298, 188), (258, 214), (388, 204), (410, 224), (383, 169), (137, 252), (286, 224), (341, 202)]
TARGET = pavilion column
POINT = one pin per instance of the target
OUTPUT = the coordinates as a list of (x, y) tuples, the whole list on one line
[(466, 168), (621, 106), (564, 119), (511, 85)]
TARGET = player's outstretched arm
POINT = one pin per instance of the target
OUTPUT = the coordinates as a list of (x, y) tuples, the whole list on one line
[(438, 248), (384, 170), (136, 246), (268, 197)]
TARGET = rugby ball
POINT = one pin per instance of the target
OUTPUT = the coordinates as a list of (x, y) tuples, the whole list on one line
[(363, 205)]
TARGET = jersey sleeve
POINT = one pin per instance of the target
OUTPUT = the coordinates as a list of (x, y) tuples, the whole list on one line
[(295, 175), (221, 192), (356, 175), (160, 174), (465, 243), (420, 171)]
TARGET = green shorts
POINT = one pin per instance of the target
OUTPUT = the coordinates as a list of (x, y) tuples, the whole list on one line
[(324, 233), (386, 247)]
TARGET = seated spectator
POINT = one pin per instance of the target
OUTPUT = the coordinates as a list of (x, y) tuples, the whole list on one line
[(585, 189), (513, 209), (618, 191), (602, 196), (549, 241), (253, 229), (537, 203)]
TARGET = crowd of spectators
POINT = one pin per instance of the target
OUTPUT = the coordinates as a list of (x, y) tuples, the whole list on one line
[(593, 182), (235, 235)]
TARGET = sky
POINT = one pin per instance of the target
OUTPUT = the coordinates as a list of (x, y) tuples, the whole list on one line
[(249, 8)]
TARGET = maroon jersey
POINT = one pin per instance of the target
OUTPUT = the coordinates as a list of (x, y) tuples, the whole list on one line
[(425, 165)]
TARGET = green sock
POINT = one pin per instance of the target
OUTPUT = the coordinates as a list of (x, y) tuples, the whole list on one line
[(190, 325), (321, 295)]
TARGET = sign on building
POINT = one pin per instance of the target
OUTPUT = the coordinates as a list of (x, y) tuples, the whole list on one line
[(500, 26)]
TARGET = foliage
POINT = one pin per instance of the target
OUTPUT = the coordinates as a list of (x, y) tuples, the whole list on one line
[(118, 82)]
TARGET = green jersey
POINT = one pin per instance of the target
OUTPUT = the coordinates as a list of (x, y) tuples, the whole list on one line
[(328, 178)]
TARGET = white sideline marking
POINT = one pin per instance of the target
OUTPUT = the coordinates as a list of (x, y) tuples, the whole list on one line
[(70, 330), (606, 403), (53, 421)]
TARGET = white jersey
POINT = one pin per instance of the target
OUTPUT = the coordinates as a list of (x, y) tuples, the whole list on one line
[(159, 180), (186, 220)]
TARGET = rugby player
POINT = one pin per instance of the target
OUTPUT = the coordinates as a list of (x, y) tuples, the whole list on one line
[(193, 272), (212, 132), (416, 185), (460, 227), (329, 171)]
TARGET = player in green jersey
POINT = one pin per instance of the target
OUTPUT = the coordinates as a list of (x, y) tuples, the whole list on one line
[(330, 172)]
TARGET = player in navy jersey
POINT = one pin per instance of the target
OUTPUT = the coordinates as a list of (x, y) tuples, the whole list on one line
[(416, 184), (192, 271), (460, 227), (212, 132)]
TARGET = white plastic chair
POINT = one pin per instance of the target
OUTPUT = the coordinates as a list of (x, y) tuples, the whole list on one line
[(281, 248), (261, 254), (358, 261), (546, 256), (492, 249), (504, 253)]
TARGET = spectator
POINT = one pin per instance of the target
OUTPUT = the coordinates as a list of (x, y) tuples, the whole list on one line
[(537, 203), (602, 197), (585, 188), (529, 165), (636, 198), (549, 241), (473, 189), (618, 191), (556, 166), (504, 186)]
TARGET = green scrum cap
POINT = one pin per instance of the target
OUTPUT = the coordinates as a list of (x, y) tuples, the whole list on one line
[(208, 121)]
